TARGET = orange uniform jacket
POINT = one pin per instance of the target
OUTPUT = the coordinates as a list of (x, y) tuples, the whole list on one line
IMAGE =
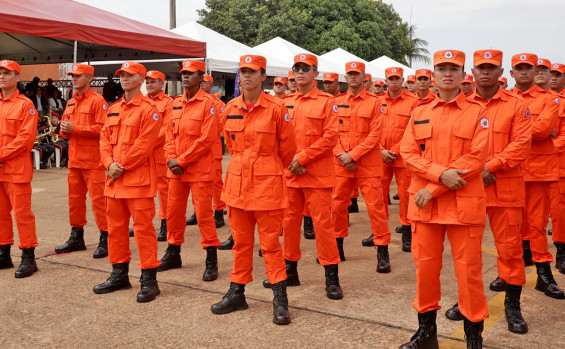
[(396, 115), (559, 140), (428, 98), (262, 144), (314, 120), (18, 125), (360, 127), (542, 165), (510, 137), (129, 138), (191, 133), (447, 135), (88, 114), (217, 147), (164, 105)]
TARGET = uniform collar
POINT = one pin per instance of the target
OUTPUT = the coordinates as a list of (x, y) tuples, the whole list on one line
[(532, 91), (159, 97), (135, 100), (459, 101), (86, 94), (261, 101), (11, 97), (401, 95), (198, 96), (428, 96), (313, 93), (363, 94), (500, 94)]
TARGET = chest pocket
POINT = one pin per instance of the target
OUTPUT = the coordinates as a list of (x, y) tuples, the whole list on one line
[(462, 141), (234, 129), (501, 134), (402, 121), (69, 111), (265, 130), (113, 125), (194, 124), (423, 135), (364, 121), (344, 115), (175, 124), (12, 123), (132, 129), (314, 121)]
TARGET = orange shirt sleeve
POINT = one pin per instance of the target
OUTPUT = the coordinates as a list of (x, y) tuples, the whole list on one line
[(559, 141), (25, 135), (106, 151), (166, 115), (396, 148), (285, 134), (544, 124), (143, 146), (209, 133), (374, 137)]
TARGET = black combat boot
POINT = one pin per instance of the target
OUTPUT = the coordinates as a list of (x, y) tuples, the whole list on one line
[(527, 254), (192, 220), (514, 317), (407, 238), (219, 218), (75, 242), (395, 197), (171, 259), (228, 244), (340, 249), (473, 333), (426, 336), (281, 316), (454, 313), (353, 207), (368, 241), (383, 265), (118, 280), (28, 265), (131, 232), (546, 283), (498, 285), (291, 275), (149, 286), (309, 228), (211, 272), (399, 229), (163, 231), (333, 290), (5, 258), (560, 257), (233, 300), (102, 250)]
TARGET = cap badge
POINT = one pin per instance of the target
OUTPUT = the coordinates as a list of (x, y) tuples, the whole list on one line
[(353, 65), (248, 59), (488, 55), (523, 57), (302, 56)]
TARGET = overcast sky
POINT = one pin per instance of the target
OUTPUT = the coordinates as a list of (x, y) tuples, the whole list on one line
[(513, 26)]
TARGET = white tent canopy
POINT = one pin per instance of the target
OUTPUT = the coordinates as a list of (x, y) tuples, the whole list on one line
[(339, 56), (387, 62)]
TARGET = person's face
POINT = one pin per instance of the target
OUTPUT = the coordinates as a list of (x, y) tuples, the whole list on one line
[(80, 81), (131, 82), (331, 87), (448, 76), (423, 83), (54, 120), (368, 85), (523, 73), (411, 86), (503, 84), (394, 83), (49, 82), (379, 89), (486, 74), (354, 79), (207, 86), (8, 79), (154, 86), (38, 91), (304, 74), (543, 75), (557, 80), (467, 87), (279, 88), (190, 79), (252, 79)]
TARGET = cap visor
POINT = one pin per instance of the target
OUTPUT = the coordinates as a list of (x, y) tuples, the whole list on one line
[(189, 69), (393, 74), (487, 61), (130, 71), (250, 66), (446, 60), (354, 69)]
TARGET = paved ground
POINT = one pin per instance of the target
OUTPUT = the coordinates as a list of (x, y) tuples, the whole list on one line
[(57, 308)]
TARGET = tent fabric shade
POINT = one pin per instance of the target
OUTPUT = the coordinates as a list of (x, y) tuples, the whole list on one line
[(35, 32), (387, 62)]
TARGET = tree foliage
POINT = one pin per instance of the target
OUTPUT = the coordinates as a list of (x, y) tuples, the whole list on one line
[(366, 28)]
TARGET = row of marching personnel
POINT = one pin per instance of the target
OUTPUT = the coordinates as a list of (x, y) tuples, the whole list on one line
[(455, 158)]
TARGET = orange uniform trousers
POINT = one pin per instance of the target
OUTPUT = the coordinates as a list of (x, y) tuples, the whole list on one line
[(402, 182), (142, 210), (536, 217), (427, 248), (176, 211), (505, 224), (319, 203), (219, 205), (557, 210), (17, 197), (355, 192), (371, 189), (269, 224), (80, 182), (162, 189)]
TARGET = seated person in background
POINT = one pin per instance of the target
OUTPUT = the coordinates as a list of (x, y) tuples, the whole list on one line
[(43, 140), (58, 142), (56, 103)]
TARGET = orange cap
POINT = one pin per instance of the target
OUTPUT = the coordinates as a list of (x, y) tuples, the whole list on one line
[(368, 77), (487, 56), (449, 56), (252, 61), (468, 78), (132, 68), (192, 65), (290, 74), (355, 66), (423, 72), (528, 58), (379, 83), (281, 80), (558, 67), (411, 78), (79, 69), (503, 79), (331, 76), (208, 78), (10, 65), (155, 75), (544, 62), (394, 71), (306, 58)]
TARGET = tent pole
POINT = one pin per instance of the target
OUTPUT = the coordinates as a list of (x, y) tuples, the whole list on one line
[(75, 53)]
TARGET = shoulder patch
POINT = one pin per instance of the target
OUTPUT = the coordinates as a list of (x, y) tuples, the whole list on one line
[(334, 108), (32, 111), (104, 106), (287, 117), (484, 122), (527, 114), (557, 100), (212, 111), (156, 116)]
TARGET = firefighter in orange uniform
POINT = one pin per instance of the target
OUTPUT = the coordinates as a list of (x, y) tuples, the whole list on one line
[(331, 83), (502, 81), (18, 119), (379, 87), (423, 82), (411, 85), (82, 121), (291, 82), (279, 86), (357, 160), (543, 74), (154, 82), (261, 141), (540, 169), (510, 138), (468, 85), (368, 83), (127, 144), (445, 147), (191, 134)]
